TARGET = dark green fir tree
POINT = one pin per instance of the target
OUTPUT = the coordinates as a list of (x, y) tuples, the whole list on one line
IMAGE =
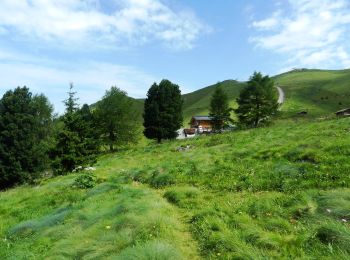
[(75, 145), (257, 102), (163, 111), (219, 108), (25, 123)]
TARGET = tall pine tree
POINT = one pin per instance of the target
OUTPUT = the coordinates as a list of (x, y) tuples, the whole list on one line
[(75, 145), (219, 108), (163, 111), (257, 102), (25, 123)]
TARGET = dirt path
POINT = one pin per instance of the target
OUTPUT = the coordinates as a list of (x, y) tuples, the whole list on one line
[(280, 95)]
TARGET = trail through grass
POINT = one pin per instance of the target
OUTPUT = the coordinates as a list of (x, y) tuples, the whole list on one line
[(276, 192)]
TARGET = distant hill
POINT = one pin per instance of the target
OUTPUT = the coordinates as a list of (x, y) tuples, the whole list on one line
[(320, 92), (198, 102)]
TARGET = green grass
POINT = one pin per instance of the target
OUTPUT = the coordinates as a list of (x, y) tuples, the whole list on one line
[(198, 102), (276, 192), (320, 92), (117, 219)]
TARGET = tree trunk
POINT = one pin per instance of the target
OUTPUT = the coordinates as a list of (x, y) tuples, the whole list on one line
[(111, 139)]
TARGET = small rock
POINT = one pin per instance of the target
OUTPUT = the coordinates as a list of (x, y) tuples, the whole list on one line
[(328, 210), (344, 220)]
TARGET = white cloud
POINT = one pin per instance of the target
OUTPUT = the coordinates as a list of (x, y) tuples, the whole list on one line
[(310, 33), (77, 21), (90, 78), (268, 23)]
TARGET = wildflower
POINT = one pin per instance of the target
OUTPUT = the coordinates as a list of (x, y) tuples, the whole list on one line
[(108, 227), (328, 210), (344, 220)]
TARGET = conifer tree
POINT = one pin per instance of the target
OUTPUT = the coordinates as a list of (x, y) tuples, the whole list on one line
[(25, 122), (219, 108), (74, 145), (257, 102), (163, 111)]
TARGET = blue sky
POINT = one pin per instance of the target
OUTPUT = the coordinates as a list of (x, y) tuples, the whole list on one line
[(46, 44)]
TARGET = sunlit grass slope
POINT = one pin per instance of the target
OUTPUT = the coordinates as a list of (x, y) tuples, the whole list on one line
[(278, 192), (198, 102), (320, 92)]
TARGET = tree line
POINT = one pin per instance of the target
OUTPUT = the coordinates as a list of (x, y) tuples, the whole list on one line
[(33, 141)]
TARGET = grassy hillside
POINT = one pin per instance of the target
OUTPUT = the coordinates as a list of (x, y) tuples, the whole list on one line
[(320, 92), (198, 102), (278, 192)]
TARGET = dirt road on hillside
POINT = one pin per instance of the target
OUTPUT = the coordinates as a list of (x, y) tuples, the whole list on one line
[(280, 95)]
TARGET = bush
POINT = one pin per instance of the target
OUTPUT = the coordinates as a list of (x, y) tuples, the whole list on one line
[(182, 197), (160, 180), (85, 181)]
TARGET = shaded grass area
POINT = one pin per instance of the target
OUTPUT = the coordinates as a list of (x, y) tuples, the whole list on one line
[(277, 192)]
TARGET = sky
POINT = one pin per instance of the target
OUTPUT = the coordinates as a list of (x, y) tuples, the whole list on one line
[(95, 44)]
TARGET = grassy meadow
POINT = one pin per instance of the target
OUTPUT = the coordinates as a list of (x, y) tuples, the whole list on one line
[(275, 192), (319, 92)]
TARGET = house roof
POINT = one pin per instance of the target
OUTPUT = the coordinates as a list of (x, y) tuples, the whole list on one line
[(205, 118), (343, 110)]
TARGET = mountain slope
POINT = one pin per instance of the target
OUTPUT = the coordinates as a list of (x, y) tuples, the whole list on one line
[(320, 92), (277, 192), (198, 102)]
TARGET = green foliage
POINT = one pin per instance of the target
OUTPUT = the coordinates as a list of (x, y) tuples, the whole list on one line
[(219, 108), (257, 102), (85, 180), (163, 111), (117, 119), (76, 143), (25, 129), (160, 180)]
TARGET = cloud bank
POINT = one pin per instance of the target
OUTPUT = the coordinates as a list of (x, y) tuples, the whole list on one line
[(309, 33), (122, 22)]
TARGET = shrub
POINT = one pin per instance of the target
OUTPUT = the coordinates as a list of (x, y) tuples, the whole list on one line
[(182, 197), (160, 180), (336, 235), (85, 181)]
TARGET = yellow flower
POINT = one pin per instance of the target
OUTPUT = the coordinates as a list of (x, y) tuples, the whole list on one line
[(108, 227)]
